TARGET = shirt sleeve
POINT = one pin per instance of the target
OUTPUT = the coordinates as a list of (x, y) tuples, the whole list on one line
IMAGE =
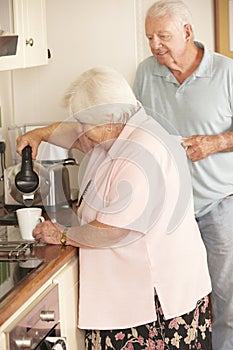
[(137, 84)]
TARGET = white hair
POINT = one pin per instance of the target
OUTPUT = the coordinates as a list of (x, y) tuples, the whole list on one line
[(177, 9), (100, 90)]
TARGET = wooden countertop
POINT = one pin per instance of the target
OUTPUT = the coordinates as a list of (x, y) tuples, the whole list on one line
[(54, 258)]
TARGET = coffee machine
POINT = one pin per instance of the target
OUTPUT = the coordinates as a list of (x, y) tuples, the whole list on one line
[(50, 189), (44, 182)]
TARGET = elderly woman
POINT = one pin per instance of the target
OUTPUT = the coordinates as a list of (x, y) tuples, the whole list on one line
[(144, 281)]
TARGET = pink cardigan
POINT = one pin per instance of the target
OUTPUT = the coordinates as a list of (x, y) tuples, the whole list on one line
[(135, 184)]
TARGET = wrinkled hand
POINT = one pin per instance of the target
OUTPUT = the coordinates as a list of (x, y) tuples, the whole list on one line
[(47, 232), (32, 138), (200, 146)]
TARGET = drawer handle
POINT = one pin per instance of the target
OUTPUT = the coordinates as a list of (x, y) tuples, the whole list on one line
[(47, 316), (25, 343)]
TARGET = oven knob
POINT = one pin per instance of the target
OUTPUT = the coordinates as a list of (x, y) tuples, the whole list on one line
[(25, 343), (47, 316)]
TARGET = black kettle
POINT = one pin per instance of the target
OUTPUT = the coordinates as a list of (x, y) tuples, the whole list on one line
[(27, 180)]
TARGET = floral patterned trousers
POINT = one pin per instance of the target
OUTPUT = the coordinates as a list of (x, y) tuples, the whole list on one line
[(189, 331)]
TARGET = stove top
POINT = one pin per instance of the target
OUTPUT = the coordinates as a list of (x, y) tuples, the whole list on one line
[(17, 260), (16, 250)]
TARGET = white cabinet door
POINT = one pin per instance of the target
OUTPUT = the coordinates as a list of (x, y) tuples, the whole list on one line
[(11, 62), (27, 19), (30, 23), (3, 341), (68, 281), (7, 26)]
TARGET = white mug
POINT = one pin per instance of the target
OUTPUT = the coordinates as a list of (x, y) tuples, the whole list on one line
[(28, 218)]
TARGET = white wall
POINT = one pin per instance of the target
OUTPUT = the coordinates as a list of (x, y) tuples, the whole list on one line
[(88, 33), (82, 34)]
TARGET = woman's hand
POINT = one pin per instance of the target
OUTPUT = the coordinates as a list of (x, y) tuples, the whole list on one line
[(32, 138), (47, 232)]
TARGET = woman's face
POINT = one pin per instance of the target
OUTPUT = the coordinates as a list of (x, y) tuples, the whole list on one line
[(102, 133)]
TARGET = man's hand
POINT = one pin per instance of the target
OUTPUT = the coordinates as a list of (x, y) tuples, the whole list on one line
[(200, 146)]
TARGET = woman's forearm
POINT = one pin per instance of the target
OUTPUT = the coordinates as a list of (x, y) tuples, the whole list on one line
[(98, 235), (64, 134)]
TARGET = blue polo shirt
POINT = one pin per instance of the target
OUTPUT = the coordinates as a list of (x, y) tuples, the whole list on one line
[(201, 105)]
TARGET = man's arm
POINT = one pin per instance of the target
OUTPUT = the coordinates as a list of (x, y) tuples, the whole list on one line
[(202, 146)]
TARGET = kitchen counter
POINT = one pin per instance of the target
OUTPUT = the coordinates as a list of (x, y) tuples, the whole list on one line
[(54, 256)]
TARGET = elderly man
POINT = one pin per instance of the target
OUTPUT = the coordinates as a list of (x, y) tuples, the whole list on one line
[(189, 90)]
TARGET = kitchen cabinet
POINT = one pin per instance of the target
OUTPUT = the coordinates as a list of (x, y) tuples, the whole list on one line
[(27, 19), (66, 278)]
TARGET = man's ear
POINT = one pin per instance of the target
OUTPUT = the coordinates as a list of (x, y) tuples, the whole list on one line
[(188, 31)]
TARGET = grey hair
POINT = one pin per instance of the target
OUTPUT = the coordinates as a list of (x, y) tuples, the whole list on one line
[(99, 86), (177, 9)]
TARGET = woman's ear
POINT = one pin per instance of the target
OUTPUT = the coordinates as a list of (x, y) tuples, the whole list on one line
[(108, 127)]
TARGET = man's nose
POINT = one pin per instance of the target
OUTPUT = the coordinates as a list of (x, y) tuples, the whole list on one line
[(155, 42)]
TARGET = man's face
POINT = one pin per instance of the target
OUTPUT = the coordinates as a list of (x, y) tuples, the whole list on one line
[(167, 43)]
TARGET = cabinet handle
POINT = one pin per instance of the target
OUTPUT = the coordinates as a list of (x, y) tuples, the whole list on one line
[(47, 316), (30, 42), (25, 343)]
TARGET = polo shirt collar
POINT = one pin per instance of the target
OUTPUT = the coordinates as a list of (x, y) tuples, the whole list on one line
[(204, 70)]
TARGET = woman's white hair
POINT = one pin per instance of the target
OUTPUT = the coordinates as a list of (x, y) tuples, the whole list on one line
[(177, 9), (98, 95)]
